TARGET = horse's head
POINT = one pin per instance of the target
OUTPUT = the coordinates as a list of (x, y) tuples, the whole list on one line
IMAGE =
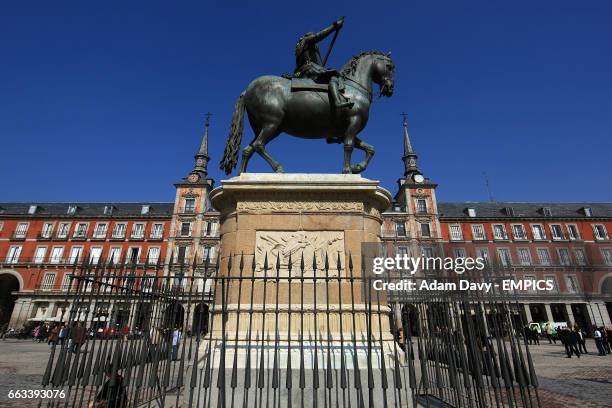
[(383, 73)]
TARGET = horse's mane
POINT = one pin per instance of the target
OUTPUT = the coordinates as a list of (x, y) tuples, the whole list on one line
[(350, 67)]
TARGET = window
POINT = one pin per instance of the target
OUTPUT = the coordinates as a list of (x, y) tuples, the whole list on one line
[(524, 256), (114, 255), (600, 231), (153, 255), (1, 226), (144, 210), (553, 279), (455, 232), (22, 229), (13, 254), (206, 253), (134, 254), (397, 207), (504, 256), (499, 231), (587, 211), (400, 228), (100, 231), (580, 256), (185, 229), (606, 254), (518, 231), (119, 230), (471, 212), (427, 252), (32, 209), (572, 231), (181, 255), (564, 256), (402, 250), (56, 255), (47, 230), (459, 253), (71, 209), (509, 211), (157, 231), (538, 232), (108, 210), (189, 205), (425, 230), (75, 254), (543, 256), (547, 211), (94, 255), (483, 253), (421, 206), (572, 284), (214, 228), (80, 230), (478, 233), (530, 289), (557, 232), (62, 231), (66, 281), (138, 231), (48, 281), (39, 255)]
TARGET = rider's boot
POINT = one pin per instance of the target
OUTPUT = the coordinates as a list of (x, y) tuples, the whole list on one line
[(339, 100)]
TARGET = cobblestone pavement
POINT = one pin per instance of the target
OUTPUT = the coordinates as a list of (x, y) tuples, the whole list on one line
[(585, 382)]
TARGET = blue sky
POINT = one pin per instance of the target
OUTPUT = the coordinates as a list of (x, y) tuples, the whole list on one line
[(105, 102)]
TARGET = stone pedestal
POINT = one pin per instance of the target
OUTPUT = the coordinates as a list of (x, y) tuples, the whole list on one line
[(284, 315)]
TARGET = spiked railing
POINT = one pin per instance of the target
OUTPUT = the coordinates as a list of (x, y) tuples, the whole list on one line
[(284, 335)]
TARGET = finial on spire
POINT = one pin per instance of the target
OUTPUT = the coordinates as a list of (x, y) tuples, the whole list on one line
[(201, 157), (409, 158)]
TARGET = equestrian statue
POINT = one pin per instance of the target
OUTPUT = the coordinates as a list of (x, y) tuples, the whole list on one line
[(315, 102)]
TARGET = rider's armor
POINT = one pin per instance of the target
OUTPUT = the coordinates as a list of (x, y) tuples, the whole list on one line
[(309, 64)]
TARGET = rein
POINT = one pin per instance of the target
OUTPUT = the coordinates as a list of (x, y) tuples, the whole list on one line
[(359, 87)]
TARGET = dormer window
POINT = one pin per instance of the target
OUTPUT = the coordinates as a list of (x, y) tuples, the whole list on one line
[(72, 209), (32, 209), (471, 212), (547, 211), (587, 211), (509, 211), (145, 209), (108, 210)]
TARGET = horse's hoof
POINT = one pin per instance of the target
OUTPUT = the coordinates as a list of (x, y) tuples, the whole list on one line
[(357, 168), (279, 169), (346, 171)]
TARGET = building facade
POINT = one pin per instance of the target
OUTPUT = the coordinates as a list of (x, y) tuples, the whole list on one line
[(567, 243)]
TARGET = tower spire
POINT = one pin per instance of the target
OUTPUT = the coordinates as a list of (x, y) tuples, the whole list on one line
[(410, 157), (202, 157)]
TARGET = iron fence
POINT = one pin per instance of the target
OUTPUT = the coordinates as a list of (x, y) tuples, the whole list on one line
[(285, 333)]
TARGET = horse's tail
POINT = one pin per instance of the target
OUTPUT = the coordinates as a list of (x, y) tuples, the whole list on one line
[(232, 147)]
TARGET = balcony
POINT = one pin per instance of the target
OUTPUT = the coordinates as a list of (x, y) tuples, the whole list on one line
[(19, 236), (187, 210), (137, 237), (44, 236), (98, 236), (156, 237), (79, 236)]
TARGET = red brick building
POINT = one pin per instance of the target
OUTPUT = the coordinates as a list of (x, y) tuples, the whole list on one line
[(568, 243)]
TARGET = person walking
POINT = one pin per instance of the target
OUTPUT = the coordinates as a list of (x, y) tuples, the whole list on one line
[(597, 336), (535, 331), (549, 333), (570, 341), (581, 340), (53, 335), (62, 334), (176, 341), (77, 336), (605, 340)]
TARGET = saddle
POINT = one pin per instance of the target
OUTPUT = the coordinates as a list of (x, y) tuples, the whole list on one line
[(307, 84)]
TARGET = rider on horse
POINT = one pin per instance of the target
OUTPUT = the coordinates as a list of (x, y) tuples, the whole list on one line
[(309, 63)]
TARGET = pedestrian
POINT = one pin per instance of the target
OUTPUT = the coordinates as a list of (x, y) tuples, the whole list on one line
[(549, 333), (609, 335), (176, 341), (570, 341), (62, 334), (53, 335), (581, 340), (535, 331), (77, 336), (597, 336), (604, 339)]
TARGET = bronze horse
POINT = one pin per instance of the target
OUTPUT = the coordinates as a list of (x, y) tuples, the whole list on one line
[(273, 107)]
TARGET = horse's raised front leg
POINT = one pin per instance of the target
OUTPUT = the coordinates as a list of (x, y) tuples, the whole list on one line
[(267, 134), (349, 141), (369, 152)]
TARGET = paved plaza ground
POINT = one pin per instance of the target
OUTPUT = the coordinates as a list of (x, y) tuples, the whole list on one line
[(564, 382)]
